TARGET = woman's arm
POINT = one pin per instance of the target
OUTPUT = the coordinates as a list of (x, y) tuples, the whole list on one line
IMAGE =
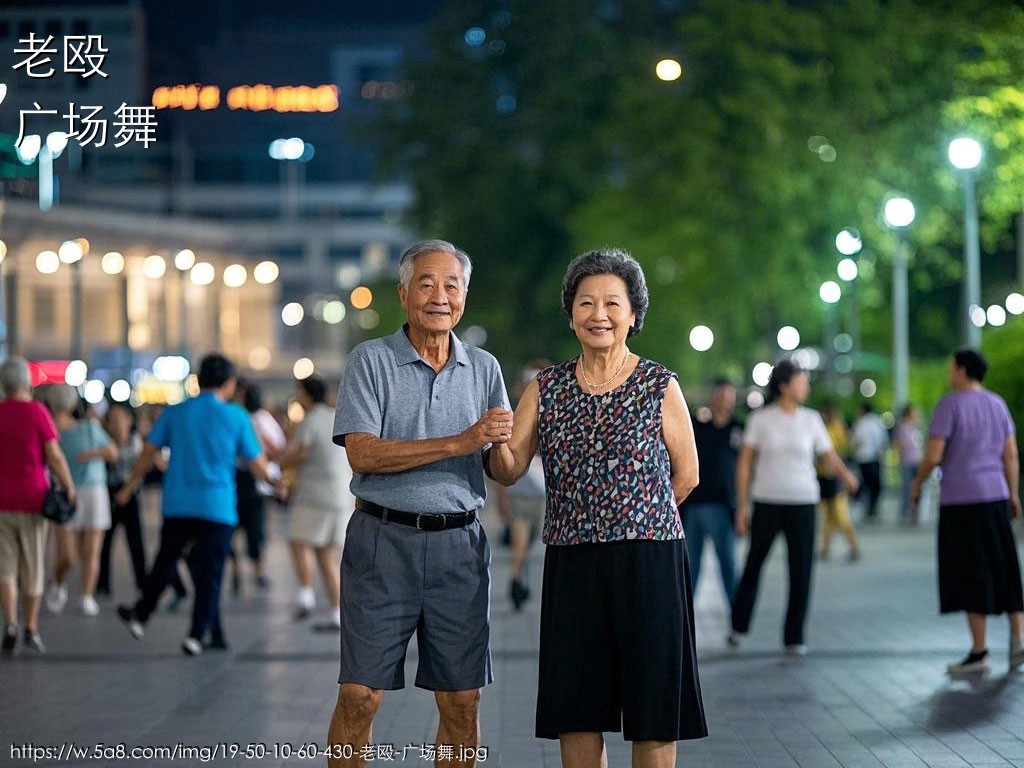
[(839, 469), (507, 462), (293, 454), (58, 464), (744, 463), (933, 451), (677, 429), (1011, 467)]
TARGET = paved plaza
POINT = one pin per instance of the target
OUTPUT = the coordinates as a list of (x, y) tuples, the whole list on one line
[(872, 691)]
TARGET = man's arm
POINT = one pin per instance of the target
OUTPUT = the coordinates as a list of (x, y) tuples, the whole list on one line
[(369, 454), (139, 469)]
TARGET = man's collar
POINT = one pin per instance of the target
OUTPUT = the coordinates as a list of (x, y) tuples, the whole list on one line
[(406, 353)]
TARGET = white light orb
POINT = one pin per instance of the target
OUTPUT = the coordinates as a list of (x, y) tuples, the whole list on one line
[(847, 270), (292, 148), (788, 338), (76, 373), (899, 212), (202, 273), (755, 400), (292, 313), (120, 391), (848, 242), (93, 391), (235, 276), (56, 142), (259, 358), (303, 368), (333, 312), (368, 319), (265, 272), (978, 316), (702, 338), (762, 373), (47, 262), (668, 70), (965, 153), (29, 148), (996, 315), (184, 259), (70, 251), (112, 263), (154, 267), (830, 292), (868, 388), (1015, 304)]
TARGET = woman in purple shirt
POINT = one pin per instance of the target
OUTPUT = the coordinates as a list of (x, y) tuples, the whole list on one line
[(972, 438)]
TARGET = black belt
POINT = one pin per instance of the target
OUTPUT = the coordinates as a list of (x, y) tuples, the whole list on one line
[(421, 521)]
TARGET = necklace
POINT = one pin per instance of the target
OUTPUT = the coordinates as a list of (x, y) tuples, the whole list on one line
[(591, 385)]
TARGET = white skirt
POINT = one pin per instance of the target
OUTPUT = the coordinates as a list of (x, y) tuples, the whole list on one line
[(93, 510)]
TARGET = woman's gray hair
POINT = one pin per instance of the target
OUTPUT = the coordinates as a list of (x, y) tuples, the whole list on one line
[(422, 248), (608, 261), (61, 398), (15, 376)]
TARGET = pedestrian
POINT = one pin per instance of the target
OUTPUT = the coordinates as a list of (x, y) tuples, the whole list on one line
[(30, 447), (415, 411), (617, 648), (521, 506), (972, 437), (206, 435), (775, 472), (710, 510), (909, 445), (869, 439), (120, 426), (321, 504), (252, 492), (835, 506), (88, 448)]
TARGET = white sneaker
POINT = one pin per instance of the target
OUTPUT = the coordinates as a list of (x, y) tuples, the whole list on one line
[(796, 649), (56, 598), (191, 647), (89, 606)]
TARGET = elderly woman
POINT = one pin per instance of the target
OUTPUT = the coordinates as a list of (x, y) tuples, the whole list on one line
[(29, 446), (616, 441), (972, 438), (87, 447), (776, 470)]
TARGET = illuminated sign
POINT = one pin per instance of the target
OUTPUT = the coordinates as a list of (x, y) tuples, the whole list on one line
[(253, 98)]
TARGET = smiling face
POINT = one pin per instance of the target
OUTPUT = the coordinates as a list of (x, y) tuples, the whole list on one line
[(436, 295), (601, 312)]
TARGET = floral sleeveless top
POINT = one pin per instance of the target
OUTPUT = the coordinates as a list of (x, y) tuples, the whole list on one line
[(606, 465)]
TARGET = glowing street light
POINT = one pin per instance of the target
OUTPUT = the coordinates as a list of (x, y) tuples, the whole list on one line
[(848, 242), (899, 214), (701, 338), (965, 155), (830, 292), (788, 338), (668, 70)]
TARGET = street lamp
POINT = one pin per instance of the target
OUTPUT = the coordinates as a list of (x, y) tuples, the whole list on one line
[(965, 155), (830, 292), (849, 244), (34, 147), (294, 153), (184, 260), (899, 214)]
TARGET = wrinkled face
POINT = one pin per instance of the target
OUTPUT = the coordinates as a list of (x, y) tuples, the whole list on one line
[(436, 295), (601, 312), (798, 387), (724, 398)]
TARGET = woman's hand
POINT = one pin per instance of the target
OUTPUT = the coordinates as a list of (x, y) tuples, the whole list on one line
[(742, 519)]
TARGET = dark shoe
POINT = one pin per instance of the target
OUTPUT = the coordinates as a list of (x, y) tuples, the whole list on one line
[(329, 624), (302, 613), (733, 639), (10, 637), (191, 647), (853, 556), (102, 592), (262, 583), (519, 593), (217, 643), (135, 627), (33, 642), (971, 663), (176, 602)]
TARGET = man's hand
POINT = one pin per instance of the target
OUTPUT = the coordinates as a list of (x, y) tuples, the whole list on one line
[(742, 519), (495, 426)]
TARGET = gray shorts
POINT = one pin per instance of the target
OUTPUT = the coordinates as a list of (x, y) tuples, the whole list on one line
[(396, 580)]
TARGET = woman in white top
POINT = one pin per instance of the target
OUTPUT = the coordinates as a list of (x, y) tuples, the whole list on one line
[(321, 505), (776, 470)]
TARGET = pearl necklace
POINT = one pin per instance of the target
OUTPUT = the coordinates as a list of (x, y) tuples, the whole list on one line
[(590, 385)]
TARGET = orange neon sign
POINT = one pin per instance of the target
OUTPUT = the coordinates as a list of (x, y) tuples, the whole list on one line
[(254, 98)]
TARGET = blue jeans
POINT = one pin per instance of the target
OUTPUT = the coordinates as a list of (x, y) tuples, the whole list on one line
[(714, 520)]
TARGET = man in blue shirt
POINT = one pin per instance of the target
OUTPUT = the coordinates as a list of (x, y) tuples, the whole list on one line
[(206, 435)]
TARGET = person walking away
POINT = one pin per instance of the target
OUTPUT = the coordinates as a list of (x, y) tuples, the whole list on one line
[(909, 445), (88, 449), (415, 412), (710, 509), (835, 507), (775, 472), (30, 447), (973, 438), (869, 440)]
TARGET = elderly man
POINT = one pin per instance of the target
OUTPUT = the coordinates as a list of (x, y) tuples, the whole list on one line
[(416, 411)]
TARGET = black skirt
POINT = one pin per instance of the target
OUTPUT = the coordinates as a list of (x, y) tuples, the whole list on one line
[(979, 571), (617, 644)]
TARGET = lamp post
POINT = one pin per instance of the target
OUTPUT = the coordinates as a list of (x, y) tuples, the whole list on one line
[(33, 148), (830, 292), (184, 260), (294, 153), (899, 214), (849, 244), (965, 155)]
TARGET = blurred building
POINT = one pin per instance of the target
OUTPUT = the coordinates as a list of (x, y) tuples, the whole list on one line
[(264, 152)]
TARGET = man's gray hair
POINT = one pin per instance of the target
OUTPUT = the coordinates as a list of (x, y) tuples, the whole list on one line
[(422, 248), (14, 376)]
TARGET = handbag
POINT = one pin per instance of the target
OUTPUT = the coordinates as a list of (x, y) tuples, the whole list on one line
[(57, 507)]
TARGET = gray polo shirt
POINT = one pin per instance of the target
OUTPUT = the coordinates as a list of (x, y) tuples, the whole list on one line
[(389, 391)]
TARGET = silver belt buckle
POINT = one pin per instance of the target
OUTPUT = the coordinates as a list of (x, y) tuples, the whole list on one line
[(418, 526)]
